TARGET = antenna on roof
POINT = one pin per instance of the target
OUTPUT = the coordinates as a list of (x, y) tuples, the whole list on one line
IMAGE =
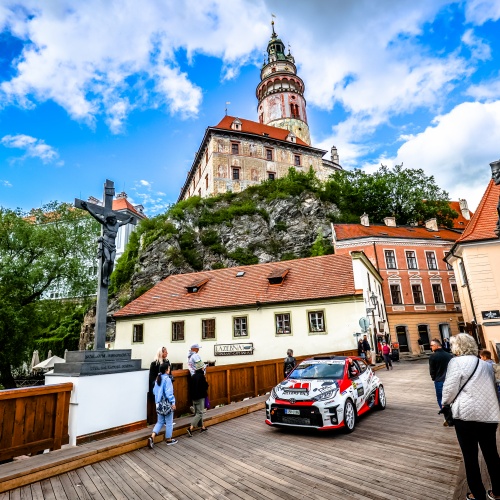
[(227, 104)]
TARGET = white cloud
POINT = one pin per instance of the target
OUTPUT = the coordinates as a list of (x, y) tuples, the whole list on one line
[(145, 183), (486, 90), (456, 149), (5, 183), (34, 148), (480, 11), (479, 49)]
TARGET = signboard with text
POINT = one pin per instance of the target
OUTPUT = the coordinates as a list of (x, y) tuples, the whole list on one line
[(233, 349), (494, 314)]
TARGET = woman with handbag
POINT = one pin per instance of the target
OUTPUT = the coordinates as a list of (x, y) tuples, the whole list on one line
[(154, 370), (469, 388), (165, 406)]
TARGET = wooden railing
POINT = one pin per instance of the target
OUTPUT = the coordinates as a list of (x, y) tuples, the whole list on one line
[(236, 382), (33, 419)]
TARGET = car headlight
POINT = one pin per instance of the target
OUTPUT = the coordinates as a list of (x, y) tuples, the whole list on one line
[(326, 395), (274, 394)]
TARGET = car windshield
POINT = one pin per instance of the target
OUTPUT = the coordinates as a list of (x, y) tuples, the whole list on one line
[(318, 370)]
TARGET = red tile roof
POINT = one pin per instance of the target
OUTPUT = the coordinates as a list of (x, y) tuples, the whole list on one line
[(482, 225), (460, 222), (356, 231), (257, 128), (123, 204), (312, 278)]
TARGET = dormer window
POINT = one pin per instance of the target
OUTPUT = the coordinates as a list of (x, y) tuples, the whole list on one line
[(277, 276), (291, 137), (196, 285), (236, 125)]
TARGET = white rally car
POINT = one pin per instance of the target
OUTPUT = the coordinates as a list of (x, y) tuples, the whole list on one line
[(325, 393)]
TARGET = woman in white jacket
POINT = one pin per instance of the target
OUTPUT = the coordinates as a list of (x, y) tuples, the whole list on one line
[(476, 414)]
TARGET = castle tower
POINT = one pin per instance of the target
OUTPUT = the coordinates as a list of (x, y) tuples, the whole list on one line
[(281, 92)]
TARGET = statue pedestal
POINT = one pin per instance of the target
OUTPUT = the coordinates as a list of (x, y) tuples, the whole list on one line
[(103, 405)]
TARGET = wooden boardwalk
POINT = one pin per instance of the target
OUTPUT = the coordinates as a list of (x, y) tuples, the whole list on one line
[(403, 452)]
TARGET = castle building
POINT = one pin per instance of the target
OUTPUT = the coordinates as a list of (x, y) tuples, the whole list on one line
[(238, 153)]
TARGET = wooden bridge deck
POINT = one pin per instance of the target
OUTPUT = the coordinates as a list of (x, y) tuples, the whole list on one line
[(403, 452)]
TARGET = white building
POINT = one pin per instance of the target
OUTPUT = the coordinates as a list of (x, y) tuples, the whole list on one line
[(253, 313)]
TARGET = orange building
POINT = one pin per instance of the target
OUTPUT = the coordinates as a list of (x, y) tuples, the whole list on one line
[(419, 287)]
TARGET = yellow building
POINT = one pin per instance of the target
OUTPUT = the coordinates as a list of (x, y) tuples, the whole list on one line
[(475, 258)]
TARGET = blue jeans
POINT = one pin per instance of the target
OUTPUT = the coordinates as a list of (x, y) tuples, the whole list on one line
[(166, 421), (439, 392)]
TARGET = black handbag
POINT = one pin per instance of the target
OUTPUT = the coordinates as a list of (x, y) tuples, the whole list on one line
[(163, 407), (446, 410)]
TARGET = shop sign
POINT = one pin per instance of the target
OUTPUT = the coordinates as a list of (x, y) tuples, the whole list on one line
[(238, 349)]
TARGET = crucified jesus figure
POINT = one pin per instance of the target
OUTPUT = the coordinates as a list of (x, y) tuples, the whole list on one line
[(107, 246)]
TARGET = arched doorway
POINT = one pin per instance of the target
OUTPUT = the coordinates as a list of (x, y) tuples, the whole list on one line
[(423, 333), (402, 335)]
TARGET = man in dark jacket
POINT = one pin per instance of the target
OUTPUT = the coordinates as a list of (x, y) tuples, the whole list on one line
[(438, 364), (368, 350)]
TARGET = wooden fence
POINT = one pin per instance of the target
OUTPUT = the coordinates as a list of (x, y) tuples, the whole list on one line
[(236, 382), (33, 419)]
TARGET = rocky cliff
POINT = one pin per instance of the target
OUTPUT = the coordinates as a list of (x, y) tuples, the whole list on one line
[(251, 227)]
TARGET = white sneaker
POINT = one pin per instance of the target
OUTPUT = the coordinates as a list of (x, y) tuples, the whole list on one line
[(151, 443), (171, 442)]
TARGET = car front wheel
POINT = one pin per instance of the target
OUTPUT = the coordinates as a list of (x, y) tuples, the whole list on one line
[(382, 401), (349, 416)]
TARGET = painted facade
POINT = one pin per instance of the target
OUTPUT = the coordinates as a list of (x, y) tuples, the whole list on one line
[(420, 289), (238, 153), (315, 309), (475, 257)]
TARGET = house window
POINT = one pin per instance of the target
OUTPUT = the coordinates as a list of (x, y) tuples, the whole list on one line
[(438, 293), (283, 324), (448, 266), (411, 260), (177, 331), (240, 326), (206, 181), (235, 148), (296, 160), (454, 291), (417, 294), (271, 176), (463, 274), (138, 333), (208, 329), (390, 259), (199, 192), (269, 154), (236, 174), (316, 321), (431, 260), (396, 294), (206, 156)]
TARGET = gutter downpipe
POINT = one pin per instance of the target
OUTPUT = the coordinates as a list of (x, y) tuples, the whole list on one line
[(468, 290)]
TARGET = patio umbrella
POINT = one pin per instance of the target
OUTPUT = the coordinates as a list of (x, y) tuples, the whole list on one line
[(34, 360), (49, 363)]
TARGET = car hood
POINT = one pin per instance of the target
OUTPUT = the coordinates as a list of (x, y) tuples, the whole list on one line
[(304, 389)]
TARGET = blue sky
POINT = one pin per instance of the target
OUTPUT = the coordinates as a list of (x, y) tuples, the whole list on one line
[(124, 89)]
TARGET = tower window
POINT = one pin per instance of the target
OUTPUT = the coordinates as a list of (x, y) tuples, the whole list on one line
[(296, 160), (294, 111), (235, 148), (269, 154), (206, 181), (236, 174)]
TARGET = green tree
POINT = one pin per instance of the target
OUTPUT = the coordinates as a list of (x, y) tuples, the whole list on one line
[(409, 195), (50, 248)]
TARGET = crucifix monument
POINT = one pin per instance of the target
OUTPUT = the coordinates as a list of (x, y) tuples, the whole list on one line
[(110, 221), (101, 360)]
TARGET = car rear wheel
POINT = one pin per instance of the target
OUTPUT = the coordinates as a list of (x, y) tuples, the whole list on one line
[(349, 416), (382, 401)]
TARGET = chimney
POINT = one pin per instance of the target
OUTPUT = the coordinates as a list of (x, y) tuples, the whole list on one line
[(335, 156), (431, 224), (365, 221), (464, 209), (390, 221)]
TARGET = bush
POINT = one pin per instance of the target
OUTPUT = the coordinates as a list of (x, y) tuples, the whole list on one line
[(244, 256), (280, 226)]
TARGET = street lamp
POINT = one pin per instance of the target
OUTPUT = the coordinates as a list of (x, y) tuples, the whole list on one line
[(374, 301)]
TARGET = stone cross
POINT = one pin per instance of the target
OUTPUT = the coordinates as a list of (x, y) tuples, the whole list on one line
[(110, 221)]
